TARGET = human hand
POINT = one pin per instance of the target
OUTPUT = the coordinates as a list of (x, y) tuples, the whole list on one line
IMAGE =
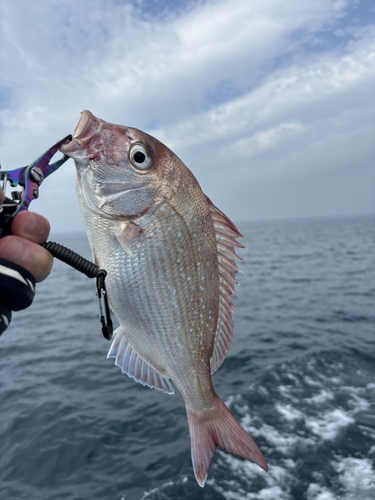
[(23, 246)]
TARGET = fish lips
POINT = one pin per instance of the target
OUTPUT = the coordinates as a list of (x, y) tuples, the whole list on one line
[(84, 137)]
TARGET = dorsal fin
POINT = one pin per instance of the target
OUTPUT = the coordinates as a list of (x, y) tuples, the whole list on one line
[(226, 239), (135, 366)]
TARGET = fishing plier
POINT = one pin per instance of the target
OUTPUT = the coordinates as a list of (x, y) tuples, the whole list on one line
[(29, 179), (17, 285)]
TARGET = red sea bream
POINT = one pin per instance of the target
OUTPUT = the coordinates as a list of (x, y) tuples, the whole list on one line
[(170, 258)]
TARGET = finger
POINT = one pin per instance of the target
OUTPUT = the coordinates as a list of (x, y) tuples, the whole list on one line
[(32, 226), (27, 254)]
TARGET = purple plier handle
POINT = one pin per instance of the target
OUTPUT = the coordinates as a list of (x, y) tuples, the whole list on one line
[(32, 176)]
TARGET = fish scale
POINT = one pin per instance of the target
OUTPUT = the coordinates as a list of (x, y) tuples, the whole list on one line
[(163, 279), (170, 257), (143, 286)]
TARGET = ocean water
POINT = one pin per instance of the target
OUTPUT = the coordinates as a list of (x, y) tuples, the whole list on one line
[(300, 377)]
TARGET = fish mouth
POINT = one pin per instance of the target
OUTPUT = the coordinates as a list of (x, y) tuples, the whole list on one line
[(83, 121), (86, 130)]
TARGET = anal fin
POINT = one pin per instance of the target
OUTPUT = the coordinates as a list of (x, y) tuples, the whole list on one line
[(134, 366)]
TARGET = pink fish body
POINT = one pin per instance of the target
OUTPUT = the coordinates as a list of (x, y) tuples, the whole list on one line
[(170, 258)]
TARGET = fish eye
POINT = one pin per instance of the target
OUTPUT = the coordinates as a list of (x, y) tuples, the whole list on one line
[(140, 157)]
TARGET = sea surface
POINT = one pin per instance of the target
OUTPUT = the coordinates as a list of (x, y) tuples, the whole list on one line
[(300, 377)]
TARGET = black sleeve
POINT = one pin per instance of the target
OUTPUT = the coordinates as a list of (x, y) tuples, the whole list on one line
[(17, 290)]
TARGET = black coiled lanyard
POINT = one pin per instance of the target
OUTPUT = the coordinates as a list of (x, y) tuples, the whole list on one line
[(91, 270)]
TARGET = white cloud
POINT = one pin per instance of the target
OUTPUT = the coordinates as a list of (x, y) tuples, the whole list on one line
[(242, 91)]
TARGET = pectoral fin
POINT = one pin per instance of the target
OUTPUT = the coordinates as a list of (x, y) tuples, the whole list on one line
[(127, 235)]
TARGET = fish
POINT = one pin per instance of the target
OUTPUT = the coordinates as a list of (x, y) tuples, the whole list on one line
[(170, 257)]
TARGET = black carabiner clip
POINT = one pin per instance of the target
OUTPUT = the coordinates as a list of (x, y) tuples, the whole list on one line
[(104, 312)]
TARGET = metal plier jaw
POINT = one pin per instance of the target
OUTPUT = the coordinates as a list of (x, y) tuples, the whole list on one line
[(29, 178)]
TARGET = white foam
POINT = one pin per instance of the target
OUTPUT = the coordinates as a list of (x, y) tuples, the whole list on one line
[(245, 468), (330, 424), (317, 492), (357, 402), (285, 391), (289, 412), (269, 494), (310, 381), (291, 376), (276, 481), (288, 462), (357, 477), (149, 494), (285, 443), (322, 397), (272, 493), (336, 380)]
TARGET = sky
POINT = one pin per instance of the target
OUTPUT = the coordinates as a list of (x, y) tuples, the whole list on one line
[(270, 103)]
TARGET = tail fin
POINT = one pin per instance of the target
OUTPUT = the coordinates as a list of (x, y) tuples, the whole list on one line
[(220, 428)]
